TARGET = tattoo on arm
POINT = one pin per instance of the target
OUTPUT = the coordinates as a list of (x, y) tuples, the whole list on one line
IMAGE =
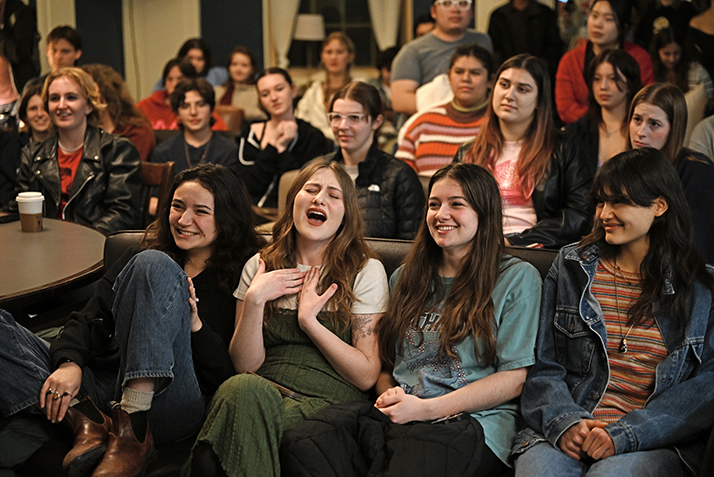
[(361, 327)]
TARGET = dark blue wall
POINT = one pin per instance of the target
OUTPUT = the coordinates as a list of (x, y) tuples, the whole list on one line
[(225, 24), (100, 23)]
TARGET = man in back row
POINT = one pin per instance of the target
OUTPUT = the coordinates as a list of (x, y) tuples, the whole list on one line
[(421, 60)]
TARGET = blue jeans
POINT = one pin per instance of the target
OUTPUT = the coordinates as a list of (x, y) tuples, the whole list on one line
[(545, 460), (25, 363), (153, 329)]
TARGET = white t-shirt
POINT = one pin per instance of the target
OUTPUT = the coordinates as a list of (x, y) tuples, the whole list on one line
[(370, 287)]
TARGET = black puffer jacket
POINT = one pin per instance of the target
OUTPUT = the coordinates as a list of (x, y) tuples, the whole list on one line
[(390, 195), (560, 199), (106, 192)]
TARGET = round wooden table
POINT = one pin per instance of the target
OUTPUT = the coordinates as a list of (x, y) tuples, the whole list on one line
[(42, 265)]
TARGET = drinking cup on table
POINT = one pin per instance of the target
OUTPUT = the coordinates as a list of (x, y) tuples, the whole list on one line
[(30, 205)]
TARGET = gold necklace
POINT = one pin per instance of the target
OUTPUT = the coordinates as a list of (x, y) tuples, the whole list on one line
[(623, 339)]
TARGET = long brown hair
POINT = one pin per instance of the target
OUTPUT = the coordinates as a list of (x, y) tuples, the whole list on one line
[(539, 141), (120, 105), (671, 100), (468, 308), (346, 254)]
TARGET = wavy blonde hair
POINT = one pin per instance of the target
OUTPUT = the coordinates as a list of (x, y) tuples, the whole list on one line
[(86, 86)]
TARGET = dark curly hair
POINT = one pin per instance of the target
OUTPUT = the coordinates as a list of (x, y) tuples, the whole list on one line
[(236, 240)]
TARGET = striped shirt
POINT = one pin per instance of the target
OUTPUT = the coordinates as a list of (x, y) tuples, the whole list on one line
[(436, 134), (632, 374)]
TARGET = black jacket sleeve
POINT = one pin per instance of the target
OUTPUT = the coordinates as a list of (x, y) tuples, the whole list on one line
[(561, 199), (409, 204)]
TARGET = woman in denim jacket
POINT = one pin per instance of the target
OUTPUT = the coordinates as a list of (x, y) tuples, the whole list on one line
[(624, 378)]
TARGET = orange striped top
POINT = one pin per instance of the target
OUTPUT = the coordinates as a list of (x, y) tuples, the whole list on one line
[(632, 374)]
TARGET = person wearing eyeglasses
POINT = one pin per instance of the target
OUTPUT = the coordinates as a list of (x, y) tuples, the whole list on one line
[(421, 60), (389, 192)]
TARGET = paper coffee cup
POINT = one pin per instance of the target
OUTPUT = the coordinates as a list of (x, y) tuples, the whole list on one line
[(30, 208)]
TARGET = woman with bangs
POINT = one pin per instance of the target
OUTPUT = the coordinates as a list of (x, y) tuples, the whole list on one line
[(622, 383), (658, 119), (86, 174), (456, 344), (308, 305), (541, 174), (613, 80)]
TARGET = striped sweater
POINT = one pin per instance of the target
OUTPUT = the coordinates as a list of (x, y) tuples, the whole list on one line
[(432, 139), (632, 373)]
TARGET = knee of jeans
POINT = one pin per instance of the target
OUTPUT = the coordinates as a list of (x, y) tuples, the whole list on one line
[(6, 318), (155, 260), (150, 264)]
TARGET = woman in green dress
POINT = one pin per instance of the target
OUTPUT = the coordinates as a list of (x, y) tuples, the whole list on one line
[(308, 305)]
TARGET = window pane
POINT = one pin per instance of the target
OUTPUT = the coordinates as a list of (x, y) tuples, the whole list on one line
[(330, 9), (362, 38), (356, 11)]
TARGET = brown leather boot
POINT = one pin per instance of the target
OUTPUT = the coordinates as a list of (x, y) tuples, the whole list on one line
[(90, 440), (126, 456)]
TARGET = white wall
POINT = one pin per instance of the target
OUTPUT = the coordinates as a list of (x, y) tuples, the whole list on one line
[(153, 31), (51, 13)]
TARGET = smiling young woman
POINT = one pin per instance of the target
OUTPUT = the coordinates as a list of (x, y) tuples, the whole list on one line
[(85, 174), (456, 343), (308, 305), (32, 112), (388, 190), (636, 340), (541, 174), (166, 354)]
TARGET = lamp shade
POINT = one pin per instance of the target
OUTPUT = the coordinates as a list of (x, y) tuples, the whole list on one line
[(309, 27)]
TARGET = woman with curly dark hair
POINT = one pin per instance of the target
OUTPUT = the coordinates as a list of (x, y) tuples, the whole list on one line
[(121, 116), (144, 340)]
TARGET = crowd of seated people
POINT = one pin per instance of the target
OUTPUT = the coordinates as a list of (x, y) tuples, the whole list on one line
[(463, 347)]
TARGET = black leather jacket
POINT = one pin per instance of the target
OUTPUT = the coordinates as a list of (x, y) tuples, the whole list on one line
[(390, 195), (106, 192), (560, 199)]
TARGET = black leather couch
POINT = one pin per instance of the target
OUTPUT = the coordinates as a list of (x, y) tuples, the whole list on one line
[(170, 458)]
